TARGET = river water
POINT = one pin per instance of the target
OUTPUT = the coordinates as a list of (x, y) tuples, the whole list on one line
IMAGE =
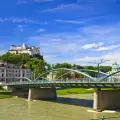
[(69, 107)]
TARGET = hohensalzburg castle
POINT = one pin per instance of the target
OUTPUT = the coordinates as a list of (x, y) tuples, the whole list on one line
[(32, 50)]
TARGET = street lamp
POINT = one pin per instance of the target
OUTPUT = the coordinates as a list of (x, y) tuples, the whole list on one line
[(98, 64)]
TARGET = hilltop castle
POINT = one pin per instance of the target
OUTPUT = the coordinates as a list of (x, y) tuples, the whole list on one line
[(32, 50)]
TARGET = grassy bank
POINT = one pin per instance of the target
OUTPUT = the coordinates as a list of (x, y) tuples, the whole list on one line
[(79, 91), (74, 91), (5, 96)]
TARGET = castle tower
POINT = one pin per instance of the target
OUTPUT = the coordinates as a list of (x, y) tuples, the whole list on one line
[(24, 46)]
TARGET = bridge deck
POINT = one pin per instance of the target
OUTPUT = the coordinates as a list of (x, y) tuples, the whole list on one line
[(64, 84)]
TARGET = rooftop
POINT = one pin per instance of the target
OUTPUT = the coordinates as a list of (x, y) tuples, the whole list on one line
[(24, 46), (116, 66)]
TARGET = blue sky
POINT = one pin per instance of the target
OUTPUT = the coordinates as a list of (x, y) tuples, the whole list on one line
[(75, 31)]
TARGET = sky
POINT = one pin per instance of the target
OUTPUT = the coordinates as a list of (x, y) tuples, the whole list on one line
[(74, 31)]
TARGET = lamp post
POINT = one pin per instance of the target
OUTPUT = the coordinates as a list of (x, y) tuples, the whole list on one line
[(98, 64)]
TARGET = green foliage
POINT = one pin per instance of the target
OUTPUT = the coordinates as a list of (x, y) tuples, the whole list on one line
[(105, 68), (35, 64), (74, 66), (49, 66), (5, 96), (74, 91), (93, 74), (63, 65), (15, 59)]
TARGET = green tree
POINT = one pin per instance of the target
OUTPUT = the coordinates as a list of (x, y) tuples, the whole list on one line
[(24, 58), (105, 68), (91, 73)]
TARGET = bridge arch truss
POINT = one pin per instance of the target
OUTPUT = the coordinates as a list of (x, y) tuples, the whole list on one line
[(68, 71)]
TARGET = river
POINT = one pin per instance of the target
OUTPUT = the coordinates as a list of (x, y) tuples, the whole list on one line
[(69, 107)]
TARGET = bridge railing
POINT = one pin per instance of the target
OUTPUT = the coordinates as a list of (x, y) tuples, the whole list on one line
[(112, 80)]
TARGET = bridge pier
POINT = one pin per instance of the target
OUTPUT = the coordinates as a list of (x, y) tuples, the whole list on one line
[(42, 93), (106, 100), (20, 92)]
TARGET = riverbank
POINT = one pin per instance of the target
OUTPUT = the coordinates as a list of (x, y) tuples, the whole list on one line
[(68, 91), (5, 96), (74, 91), (79, 91)]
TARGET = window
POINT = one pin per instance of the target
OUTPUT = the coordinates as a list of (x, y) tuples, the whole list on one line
[(2, 70), (2, 75)]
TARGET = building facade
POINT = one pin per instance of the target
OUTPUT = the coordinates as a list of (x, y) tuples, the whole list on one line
[(51, 75), (115, 68), (32, 50), (10, 72)]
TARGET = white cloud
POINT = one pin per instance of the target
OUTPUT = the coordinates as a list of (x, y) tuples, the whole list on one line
[(21, 20), (108, 47), (63, 7), (72, 46), (95, 29), (112, 57), (93, 45), (69, 47), (70, 21), (86, 59), (41, 30), (61, 48), (55, 40), (21, 27), (61, 43)]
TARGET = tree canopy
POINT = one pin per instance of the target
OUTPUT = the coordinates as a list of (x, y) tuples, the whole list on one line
[(37, 65)]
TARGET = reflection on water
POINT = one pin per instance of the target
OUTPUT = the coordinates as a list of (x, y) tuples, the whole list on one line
[(75, 101), (70, 107)]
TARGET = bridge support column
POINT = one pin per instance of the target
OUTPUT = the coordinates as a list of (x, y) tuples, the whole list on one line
[(106, 100), (42, 93), (20, 92)]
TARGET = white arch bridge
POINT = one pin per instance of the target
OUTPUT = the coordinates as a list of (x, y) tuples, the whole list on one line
[(105, 81)]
